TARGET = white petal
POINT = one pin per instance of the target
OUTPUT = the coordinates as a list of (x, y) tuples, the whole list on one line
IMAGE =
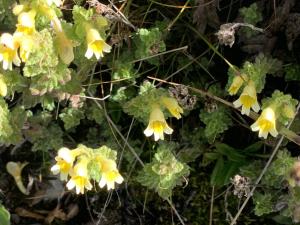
[(110, 185), (106, 48), (255, 107), (119, 179), (5, 65), (158, 136), (102, 182), (274, 133), (245, 111), (148, 132), (64, 176), (168, 130), (70, 184), (237, 103), (97, 54), (89, 53), (263, 134), (55, 169), (255, 127)]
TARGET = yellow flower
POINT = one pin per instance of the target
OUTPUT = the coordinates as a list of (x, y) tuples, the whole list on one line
[(26, 43), (64, 45), (266, 123), (65, 160), (248, 99), (8, 51), (107, 164), (80, 178), (26, 22), (172, 105), (237, 82), (95, 44), (157, 125), (110, 178)]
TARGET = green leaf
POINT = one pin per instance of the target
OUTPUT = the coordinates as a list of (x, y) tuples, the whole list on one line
[(216, 122), (216, 176), (263, 203), (164, 173), (71, 117), (254, 147), (149, 42), (4, 216), (231, 153)]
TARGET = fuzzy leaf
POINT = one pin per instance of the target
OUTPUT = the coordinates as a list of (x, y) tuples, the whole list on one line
[(164, 173)]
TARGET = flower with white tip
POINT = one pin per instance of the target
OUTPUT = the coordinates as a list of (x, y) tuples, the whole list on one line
[(157, 125), (237, 82), (110, 178), (8, 51), (65, 159), (80, 178), (95, 44), (266, 123), (26, 22), (248, 99), (172, 105), (64, 45)]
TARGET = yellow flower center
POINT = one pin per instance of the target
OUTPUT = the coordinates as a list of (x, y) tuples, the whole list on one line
[(97, 46), (157, 126), (247, 100), (112, 176), (64, 166)]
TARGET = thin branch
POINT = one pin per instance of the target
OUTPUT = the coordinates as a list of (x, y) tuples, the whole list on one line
[(292, 136), (233, 222)]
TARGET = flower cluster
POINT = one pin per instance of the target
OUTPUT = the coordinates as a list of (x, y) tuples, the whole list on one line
[(83, 164), (157, 125), (279, 106), (16, 48)]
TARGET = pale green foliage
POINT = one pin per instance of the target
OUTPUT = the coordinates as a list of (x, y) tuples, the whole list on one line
[(258, 70), (43, 56), (269, 196), (71, 117), (123, 68), (251, 15), (216, 121), (141, 106), (15, 82), (279, 170), (5, 127), (164, 173), (285, 106), (264, 203), (80, 17), (149, 42), (102, 152)]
